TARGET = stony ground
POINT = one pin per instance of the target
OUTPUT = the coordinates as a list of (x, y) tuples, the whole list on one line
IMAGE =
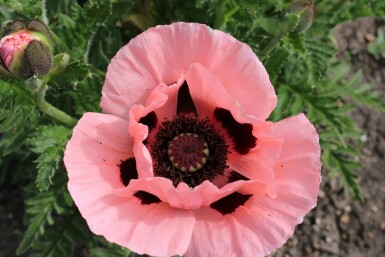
[(338, 226)]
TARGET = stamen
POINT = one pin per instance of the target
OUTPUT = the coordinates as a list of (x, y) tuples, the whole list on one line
[(187, 143)]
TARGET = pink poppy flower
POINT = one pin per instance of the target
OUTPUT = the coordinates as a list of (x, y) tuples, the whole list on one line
[(184, 161)]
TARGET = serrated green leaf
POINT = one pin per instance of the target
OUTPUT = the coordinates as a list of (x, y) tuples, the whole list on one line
[(73, 74), (48, 142), (275, 62), (33, 228)]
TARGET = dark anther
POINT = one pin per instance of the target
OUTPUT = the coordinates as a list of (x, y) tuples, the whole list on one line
[(235, 176), (146, 198), (149, 120), (128, 171), (213, 166), (230, 203), (241, 134), (185, 103)]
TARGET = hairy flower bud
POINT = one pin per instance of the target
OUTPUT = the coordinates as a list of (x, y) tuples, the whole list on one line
[(25, 49), (306, 11)]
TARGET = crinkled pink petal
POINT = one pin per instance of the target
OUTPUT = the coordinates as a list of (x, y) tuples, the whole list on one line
[(263, 224), (98, 144), (184, 197), (161, 101), (164, 53), (168, 109), (208, 94), (156, 229), (259, 163), (297, 171)]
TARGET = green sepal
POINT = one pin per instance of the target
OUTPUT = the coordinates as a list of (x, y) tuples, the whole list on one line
[(5, 74), (13, 26), (36, 60), (60, 62), (306, 11), (35, 25)]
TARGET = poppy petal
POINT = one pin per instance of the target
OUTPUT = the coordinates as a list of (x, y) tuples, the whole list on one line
[(128, 222), (99, 143), (159, 55)]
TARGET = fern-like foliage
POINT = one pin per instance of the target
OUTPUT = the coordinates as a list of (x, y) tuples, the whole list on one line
[(41, 208), (48, 143)]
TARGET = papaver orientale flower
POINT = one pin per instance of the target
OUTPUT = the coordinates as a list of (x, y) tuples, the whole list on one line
[(25, 49), (184, 161)]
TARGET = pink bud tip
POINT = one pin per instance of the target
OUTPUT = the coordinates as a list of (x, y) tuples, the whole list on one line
[(10, 44)]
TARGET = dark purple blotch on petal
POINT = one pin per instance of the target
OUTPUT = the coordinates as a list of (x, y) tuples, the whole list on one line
[(185, 103), (146, 198), (235, 176), (230, 203), (241, 134), (128, 170), (149, 120)]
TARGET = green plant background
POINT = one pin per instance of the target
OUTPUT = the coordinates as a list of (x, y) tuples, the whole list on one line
[(302, 67)]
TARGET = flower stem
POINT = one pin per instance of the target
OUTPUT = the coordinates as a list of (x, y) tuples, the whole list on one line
[(274, 42), (220, 14), (338, 5), (49, 109)]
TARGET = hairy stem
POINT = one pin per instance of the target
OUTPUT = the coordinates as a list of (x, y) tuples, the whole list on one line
[(274, 42), (220, 14), (338, 5), (49, 109)]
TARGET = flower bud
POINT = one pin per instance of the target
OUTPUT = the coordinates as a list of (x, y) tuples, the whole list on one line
[(26, 49), (306, 11)]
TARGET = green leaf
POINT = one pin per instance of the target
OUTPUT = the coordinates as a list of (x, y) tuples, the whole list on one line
[(275, 63), (48, 142), (73, 74)]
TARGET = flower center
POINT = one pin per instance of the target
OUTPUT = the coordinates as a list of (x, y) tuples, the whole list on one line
[(188, 152), (186, 144)]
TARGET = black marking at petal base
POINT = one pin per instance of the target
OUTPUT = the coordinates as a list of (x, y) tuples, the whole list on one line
[(235, 176), (241, 134), (128, 170), (230, 203), (147, 198), (185, 103), (149, 120)]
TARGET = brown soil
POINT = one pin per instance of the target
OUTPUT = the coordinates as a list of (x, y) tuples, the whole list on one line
[(340, 226)]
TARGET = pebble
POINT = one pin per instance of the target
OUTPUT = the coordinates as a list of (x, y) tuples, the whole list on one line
[(345, 218), (374, 209), (348, 208), (370, 37), (382, 225)]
